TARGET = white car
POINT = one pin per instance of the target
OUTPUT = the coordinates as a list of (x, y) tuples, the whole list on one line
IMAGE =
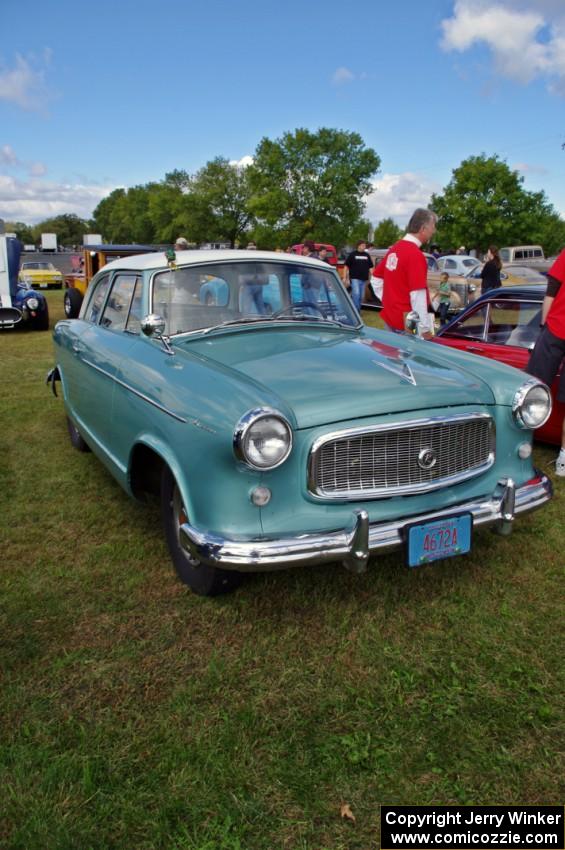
[(457, 264)]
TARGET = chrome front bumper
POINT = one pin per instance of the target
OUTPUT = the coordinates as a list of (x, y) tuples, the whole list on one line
[(356, 543)]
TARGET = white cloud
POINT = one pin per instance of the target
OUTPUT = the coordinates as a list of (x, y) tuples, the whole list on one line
[(342, 75), (24, 82), (243, 162), (398, 195), (526, 37), (10, 159), (33, 200)]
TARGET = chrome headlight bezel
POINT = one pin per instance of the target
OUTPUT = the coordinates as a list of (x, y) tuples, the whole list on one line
[(243, 432), (520, 400), (32, 303)]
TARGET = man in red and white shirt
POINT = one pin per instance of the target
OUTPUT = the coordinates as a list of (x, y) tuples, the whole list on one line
[(401, 278), (549, 352)]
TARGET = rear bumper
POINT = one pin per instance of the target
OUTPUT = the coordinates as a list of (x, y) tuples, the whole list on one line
[(356, 543)]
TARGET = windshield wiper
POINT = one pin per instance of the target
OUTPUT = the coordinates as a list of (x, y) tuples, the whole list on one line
[(317, 319), (243, 320)]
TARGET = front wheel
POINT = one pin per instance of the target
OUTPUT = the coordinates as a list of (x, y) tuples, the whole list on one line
[(202, 579)]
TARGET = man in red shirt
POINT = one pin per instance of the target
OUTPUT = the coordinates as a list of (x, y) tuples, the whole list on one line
[(402, 276), (549, 352)]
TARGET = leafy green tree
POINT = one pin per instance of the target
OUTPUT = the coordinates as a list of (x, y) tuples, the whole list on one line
[(386, 233), (311, 185), (485, 203), (218, 202), (24, 232), (361, 230), (124, 215), (69, 228)]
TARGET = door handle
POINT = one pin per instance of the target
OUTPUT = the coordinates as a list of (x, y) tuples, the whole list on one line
[(77, 347), (474, 348)]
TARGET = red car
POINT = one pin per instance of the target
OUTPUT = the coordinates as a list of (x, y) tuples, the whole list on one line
[(331, 255), (504, 324)]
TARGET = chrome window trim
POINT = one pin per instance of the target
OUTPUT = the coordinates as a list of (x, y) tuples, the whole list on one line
[(405, 489)]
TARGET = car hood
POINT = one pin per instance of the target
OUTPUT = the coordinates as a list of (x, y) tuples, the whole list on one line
[(327, 376)]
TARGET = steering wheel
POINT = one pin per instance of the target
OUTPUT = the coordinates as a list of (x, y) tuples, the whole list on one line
[(297, 309)]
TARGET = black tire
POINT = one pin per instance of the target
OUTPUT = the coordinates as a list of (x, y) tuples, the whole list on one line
[(76, 440), (72, 301), (202, 579), (41, 323)]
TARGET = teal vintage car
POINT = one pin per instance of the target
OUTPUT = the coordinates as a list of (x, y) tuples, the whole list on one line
[(277, 429)]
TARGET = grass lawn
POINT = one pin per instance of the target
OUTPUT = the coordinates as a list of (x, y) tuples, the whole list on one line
[(136, 715)]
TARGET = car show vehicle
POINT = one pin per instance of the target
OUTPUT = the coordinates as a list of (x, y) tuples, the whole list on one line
[(40, 274), (531, 255), (93, 258), (278, 430), (458, 264), (510, 275), (504, 325), (19, 303)]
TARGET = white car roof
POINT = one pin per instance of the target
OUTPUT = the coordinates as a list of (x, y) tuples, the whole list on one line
[(158, 260), (460, 257)]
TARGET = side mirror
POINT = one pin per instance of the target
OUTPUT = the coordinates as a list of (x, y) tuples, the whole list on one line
[(153, 325), (411, 322)]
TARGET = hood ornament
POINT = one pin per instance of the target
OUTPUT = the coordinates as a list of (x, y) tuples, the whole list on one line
[(397, 367)]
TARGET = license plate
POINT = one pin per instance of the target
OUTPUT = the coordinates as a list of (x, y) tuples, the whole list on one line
[(43, 285), (440, 538)]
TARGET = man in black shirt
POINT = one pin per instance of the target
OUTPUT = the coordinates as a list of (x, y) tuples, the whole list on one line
[(358, 265)]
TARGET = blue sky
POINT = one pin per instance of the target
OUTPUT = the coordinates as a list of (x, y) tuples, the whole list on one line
[(123, 92)]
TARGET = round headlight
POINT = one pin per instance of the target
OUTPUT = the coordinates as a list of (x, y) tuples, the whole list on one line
[(32, 303), (531, 407), (262, 439)]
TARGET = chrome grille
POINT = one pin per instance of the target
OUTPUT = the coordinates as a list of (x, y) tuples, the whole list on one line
[(392, 460)]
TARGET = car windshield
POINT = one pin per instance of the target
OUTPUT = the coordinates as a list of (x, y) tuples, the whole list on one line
[(34, 267), (194, 298)]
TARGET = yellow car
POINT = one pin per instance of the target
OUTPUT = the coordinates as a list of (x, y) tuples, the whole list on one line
[(40, 274)]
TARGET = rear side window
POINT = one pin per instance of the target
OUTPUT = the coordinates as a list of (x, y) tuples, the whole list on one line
[(117, 309)]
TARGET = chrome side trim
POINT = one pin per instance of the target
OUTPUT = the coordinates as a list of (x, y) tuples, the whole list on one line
[(355, 543), (406, 489), (135, 392)]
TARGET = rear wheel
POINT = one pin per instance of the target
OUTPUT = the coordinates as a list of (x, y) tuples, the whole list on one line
[(202, 579), (76, 439), (72, 302)]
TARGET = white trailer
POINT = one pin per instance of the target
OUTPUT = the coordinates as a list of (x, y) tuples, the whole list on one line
[(49, 242), (91, 239)]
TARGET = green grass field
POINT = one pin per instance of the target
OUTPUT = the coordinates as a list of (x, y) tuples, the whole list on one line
[(136, 715)]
